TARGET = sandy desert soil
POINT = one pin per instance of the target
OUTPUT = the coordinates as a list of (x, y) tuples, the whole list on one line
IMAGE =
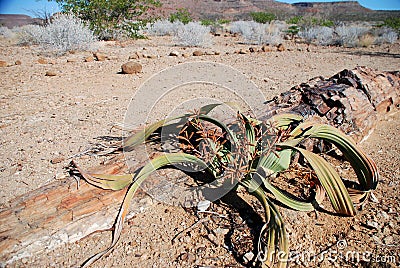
[(45, 120)]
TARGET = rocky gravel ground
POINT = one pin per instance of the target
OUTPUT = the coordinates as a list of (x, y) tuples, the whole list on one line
[(54, 107)]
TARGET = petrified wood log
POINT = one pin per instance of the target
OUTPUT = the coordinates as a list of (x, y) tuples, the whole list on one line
[(60, 213), (352, 100), (56, 214)]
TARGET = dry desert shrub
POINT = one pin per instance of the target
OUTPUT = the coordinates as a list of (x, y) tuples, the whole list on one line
[(349, 35), (259, 33), (29, 34), (322, 35), (385, 35), (163, 27), (366, 40), (6, 33), (193, 34), (64, 33)]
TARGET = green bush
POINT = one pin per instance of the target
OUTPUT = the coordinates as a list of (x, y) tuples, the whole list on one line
[(182, 15), (262, 17), (307, 22), (109, 19), (223, 21), (207, 22), (293, 30), (294, 20), (393, 23), (215, 23), (326, 23)]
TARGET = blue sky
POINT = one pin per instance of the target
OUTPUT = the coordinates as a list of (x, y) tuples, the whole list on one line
[(26, 6)]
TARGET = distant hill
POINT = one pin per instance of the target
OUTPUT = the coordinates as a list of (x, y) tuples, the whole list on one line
[(240, 9), (343, 11), (15, 20), (229, 9)]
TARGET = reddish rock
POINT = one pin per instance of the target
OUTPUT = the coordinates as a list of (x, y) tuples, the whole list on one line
[(198, 53), (3, 63), (57, 160), (18, 62), (89, 59), (131, 68), (99, 56), (135, 56), (51, 73), (42, 61), (266, 49), (280, 48)]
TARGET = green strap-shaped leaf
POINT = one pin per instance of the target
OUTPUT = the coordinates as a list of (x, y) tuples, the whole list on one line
[(330, 180), (140, 137), (156, 163), (206, 109), (284, 198), (364, 167), (250, 135), (281, 237), (109, 181), (254, 188), (106, 181), (284, 121), (276, 161), (117, 225), (275, 231)]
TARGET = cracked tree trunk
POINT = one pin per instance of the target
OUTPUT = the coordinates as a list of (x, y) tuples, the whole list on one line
[(59, 212)]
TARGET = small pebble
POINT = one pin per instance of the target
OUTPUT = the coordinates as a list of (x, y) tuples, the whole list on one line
[(248, 257), (174, 53), (50, 73), (57, 160), (372, 224)]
